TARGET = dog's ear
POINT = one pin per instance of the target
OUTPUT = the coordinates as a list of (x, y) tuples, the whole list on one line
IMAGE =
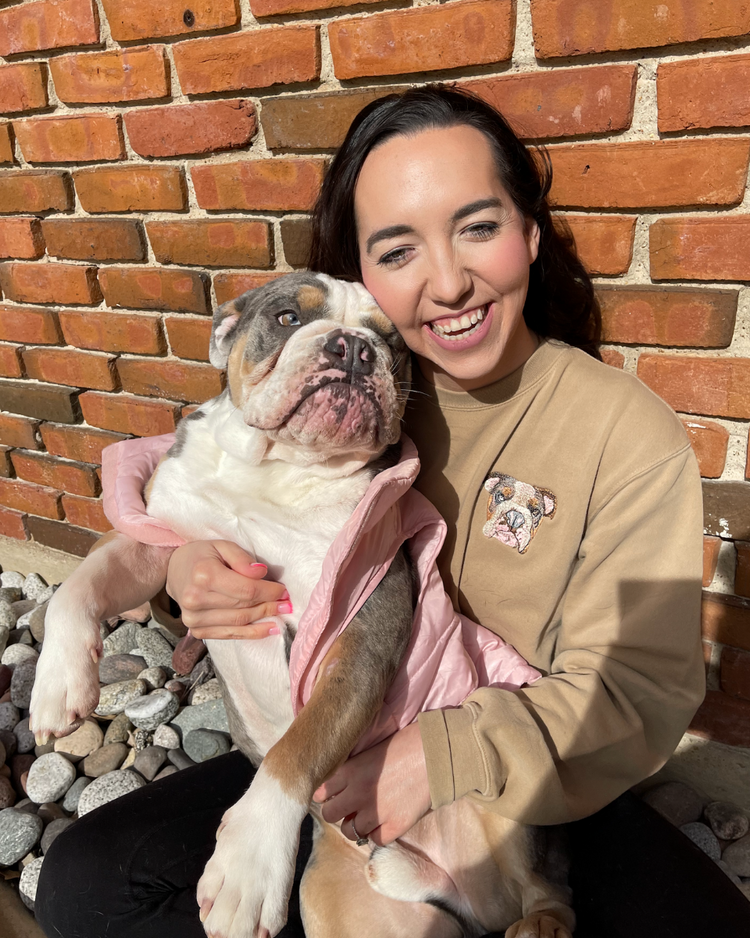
[(224, 327)]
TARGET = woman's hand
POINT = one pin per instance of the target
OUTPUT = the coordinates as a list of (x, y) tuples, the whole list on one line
[(222, 591), (384, 791)]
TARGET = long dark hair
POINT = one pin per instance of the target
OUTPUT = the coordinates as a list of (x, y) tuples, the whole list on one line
[(561, 303)]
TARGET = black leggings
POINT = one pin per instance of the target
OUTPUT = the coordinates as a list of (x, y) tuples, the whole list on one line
[(130, 868)]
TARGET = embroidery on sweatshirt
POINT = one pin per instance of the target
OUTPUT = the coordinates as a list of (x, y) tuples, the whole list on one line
[(515, 510)]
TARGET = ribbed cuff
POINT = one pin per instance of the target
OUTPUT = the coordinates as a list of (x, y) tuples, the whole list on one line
[(454, 761)]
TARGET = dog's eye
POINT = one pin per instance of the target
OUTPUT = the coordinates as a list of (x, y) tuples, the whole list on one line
[(288, 319)]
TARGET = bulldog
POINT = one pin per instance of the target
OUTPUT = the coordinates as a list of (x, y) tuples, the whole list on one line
[(285, 463)]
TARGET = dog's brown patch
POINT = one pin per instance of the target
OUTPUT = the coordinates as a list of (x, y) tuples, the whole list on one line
[(310, 297), (381, 322), (237, 368)]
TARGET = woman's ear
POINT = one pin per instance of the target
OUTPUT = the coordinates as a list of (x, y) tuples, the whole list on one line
[(533, 236)]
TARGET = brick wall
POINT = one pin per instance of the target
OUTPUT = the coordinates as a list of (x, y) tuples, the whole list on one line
[(159, 158)]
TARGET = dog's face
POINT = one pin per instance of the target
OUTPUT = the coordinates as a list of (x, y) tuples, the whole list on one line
[(315, 363), (515, 510)]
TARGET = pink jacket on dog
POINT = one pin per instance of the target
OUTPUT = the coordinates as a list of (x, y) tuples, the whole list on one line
[(449, 656)]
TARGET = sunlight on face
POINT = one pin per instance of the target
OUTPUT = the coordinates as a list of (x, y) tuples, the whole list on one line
[(446, 254)]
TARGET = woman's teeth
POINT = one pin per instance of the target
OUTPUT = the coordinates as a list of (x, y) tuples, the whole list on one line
[(455, 329)]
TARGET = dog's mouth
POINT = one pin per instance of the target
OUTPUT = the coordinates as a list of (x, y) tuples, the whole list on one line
[(335, 412)]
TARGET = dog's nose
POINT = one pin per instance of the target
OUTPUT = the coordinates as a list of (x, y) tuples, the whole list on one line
[(351, 353)]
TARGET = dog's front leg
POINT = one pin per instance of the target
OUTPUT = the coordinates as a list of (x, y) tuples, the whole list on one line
[(118, 574), (245, 888)]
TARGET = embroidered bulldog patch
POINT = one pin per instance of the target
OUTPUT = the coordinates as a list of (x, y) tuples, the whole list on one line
[(515, 510)]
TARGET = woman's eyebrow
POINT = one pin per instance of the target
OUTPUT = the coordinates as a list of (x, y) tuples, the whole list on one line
[(394, 231), (477, 206)]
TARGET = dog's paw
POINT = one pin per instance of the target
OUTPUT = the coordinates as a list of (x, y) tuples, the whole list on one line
[(539, 925), (244, 890)]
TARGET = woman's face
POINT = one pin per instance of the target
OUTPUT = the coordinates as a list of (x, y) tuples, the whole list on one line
[(446, 254)]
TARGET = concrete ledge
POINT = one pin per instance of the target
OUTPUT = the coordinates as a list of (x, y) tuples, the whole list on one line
[(31, 557)]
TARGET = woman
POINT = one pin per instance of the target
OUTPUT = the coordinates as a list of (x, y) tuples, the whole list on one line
[(574, 511)]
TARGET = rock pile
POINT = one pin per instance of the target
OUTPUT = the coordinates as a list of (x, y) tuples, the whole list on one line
[(160, 711)]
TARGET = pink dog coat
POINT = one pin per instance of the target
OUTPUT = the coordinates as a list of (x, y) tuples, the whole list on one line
[(449, 656)]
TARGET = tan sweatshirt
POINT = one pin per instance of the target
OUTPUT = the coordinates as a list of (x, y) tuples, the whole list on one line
[(588, 560)]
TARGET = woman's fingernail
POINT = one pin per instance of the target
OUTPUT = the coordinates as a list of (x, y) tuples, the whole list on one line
[(260, 566), (284, 595), (274, 631), (284, 608)]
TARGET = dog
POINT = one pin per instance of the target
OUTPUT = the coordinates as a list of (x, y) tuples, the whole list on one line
[(281, 463), (515, 510)]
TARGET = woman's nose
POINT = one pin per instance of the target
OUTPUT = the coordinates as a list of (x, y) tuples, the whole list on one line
[(449, 282)]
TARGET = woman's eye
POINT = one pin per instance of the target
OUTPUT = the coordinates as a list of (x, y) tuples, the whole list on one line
[(482, 231), (288, 319), (394, 258)]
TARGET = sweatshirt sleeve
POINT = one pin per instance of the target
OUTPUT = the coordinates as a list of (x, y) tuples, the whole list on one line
[(627, 676)]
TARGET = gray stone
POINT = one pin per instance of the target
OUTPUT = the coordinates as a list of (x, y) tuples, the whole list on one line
[(114, 698), (725, 868), (22, 607), (678, 803), (42, 750), (173, 639), (70, 802), (27, 805), (14, 654), (149, 712), (211, 690), (20, 637), (9, 741), (155, 649), (167, 737), (202, 745), (22, 682), (28, 882), (7, 793), (7, 618), (177, 687), (36, 621), (105, 760), (703, 837), (166, 772), (122, 640), (154, 677), (19, 832), (34, 586), (3, 754), (202, 672), (118, 730), (107, 788), (24, 736), (53, 830), (9, 715), (81, 743), (141, 739), (50, 776), (149, 760), (116, 668), (727, 820), (50, 811), (179, 759), (206, 716), (12, 579), (737, 856), (10, 594)]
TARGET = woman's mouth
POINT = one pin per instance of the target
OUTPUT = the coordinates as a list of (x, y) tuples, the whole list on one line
[(461, 327)]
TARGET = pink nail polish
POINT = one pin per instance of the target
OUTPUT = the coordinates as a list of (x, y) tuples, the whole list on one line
[(284, 595), (284, 608), (274, 631), (260, 566)]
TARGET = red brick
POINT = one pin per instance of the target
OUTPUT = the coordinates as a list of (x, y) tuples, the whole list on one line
[(230, 286), (7, 154), (212, 242), (6, 469), (11, 365), (65, 366), (21, 237), (189, 338), (705, 93), (642, 315), (35, 326), (40, 469), (126, 414), (35, 499), (747, 463), (611, 356), (131, 189), (700, 248), (562, 103), (47, 402), (742, 572), (35, 190), (463, 32), (18, 431), (723, 719), (70, 139), (86, 513), (296, 237), (197, 128), (604, 242), (711, 546), (726, 619), (154, 288), (142, 19), (277, 7), (49, 24), (272, 185), (719, 387), (255, 58), (578, 27), (174, 379), (13, 524), (709, 441), (112, 332), (81, 444), (94, 239), (50, 283), (61, 536), (650, 173), (735, 673), (112, 76), (23, 87)]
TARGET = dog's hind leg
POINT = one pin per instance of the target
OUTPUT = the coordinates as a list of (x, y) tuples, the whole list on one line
[(118, 574)]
